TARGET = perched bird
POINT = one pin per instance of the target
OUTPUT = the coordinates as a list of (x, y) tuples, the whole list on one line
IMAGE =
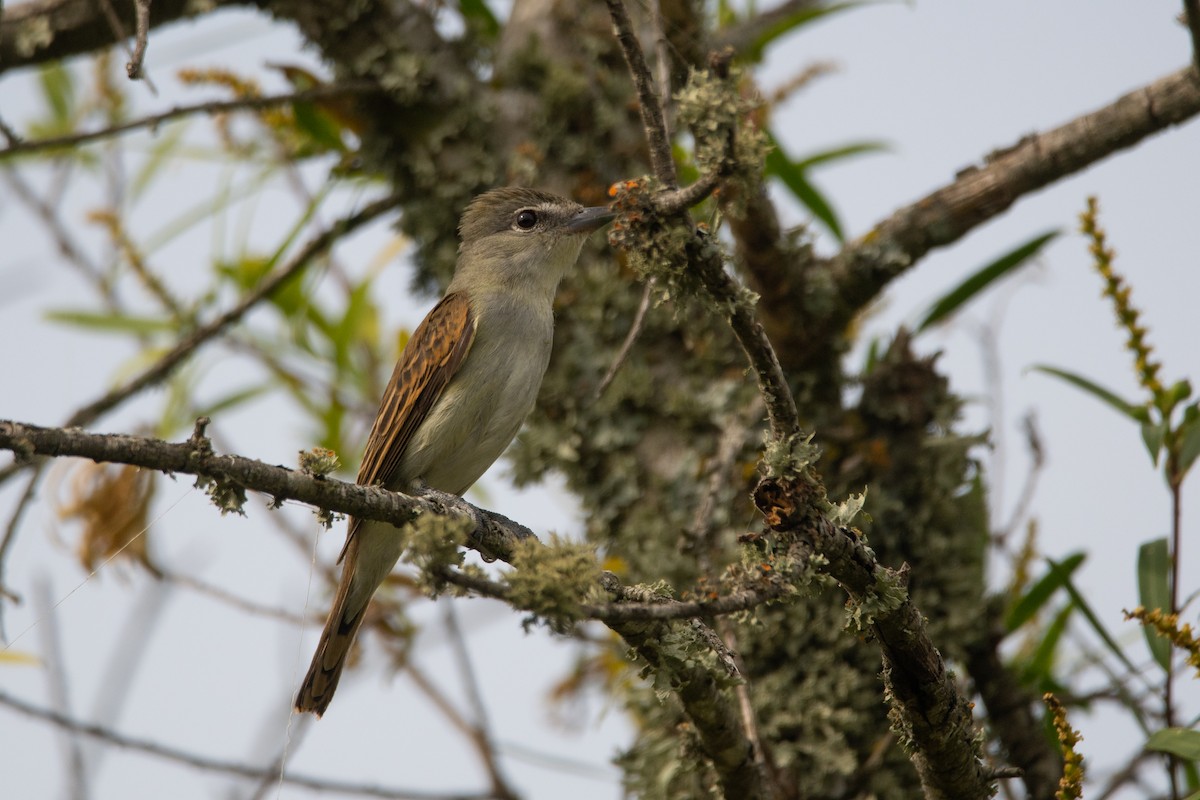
[(465, 382)]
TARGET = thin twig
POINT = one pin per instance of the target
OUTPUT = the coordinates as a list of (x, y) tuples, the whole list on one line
[(10, 535), (482, 734), (635, 330), (211, 107), (672, 201), (162, 368), (48, 214), (238, 602), (227, 767), (59, 688), (661, 161), (134, 67), (10, 135), (118, 30)]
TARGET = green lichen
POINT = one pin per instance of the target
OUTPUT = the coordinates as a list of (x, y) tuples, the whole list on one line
[(228, 496), (552, 580), (886, 595), (434, 542), (789, 457)]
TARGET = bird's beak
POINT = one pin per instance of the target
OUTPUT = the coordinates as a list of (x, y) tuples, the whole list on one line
[(590, 219)]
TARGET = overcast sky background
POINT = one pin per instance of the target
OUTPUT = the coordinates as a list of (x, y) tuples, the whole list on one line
[(943, 82)]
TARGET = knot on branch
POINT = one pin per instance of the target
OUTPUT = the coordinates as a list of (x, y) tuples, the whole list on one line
[(783, 504)]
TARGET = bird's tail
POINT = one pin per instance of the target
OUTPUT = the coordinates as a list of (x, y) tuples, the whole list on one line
[(332, 651), (372, 549)]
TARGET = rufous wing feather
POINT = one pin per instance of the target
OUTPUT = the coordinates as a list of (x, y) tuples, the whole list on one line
[(430, 360)]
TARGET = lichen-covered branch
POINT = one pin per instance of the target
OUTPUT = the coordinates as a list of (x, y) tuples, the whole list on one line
[(862, 270), (1010, 714), (713, 710), (933, 720), (47, 30)]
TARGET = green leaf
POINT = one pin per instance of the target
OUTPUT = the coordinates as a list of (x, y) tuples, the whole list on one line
[(58, 89), (112, 323), (1090, 615), (837, 153), (231, 400), (984, 277), (164, 147), (1154, 576), (1179, 742), (477, 12), (1038, 670), (1189, 435), (1037, 595), (791, 22), (780, 166), (1152, 437), (1134, 412), (318, 126)]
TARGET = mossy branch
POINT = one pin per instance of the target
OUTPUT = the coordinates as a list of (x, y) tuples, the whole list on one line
[(932, 718)]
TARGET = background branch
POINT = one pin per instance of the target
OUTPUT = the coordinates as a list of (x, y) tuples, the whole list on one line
[(28, 147), (197, 761)]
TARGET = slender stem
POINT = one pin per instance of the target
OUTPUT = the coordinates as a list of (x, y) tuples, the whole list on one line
[(154, 120), (201, 762), (1176, 543)]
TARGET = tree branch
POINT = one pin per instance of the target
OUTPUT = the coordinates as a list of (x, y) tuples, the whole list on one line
[(157, 750), (162, 368), (1010, 712), (930, 712), (494, 535), (134, 67), (21, 148), (865, 267), (47, 30), (712, 710)]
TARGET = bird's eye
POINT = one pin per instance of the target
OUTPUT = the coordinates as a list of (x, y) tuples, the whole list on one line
[(526, 219)]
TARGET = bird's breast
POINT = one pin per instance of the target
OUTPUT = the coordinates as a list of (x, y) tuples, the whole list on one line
[(485, 404)]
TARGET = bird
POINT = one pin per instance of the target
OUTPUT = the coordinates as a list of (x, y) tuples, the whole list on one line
[(461, 389)]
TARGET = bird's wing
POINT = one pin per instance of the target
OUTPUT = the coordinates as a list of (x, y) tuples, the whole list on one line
[(431, 358)]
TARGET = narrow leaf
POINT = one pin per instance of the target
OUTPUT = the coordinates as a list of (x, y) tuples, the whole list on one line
[(1179, 742), (780, 166), (1091, 617), (1134, 412), (112, 323), (1037, 595), (1154, 575), (231, 400), (1152, 437), (792, 22), (984, 277), (837, 153), (477, 12), (1038, 670), (321, 128), (1189, 448)]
